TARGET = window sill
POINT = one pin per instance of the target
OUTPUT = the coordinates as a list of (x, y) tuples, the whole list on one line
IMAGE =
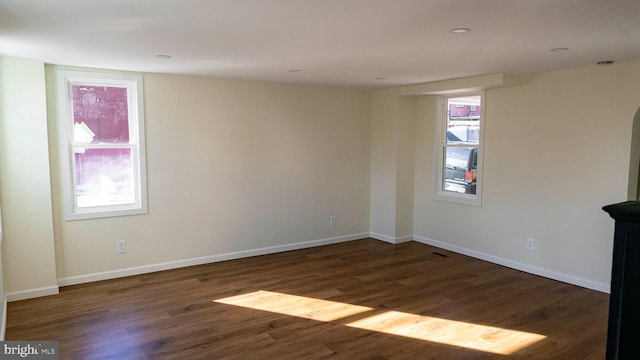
[(464, 199)]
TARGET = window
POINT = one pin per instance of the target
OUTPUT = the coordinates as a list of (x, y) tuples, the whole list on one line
[(101, 126), (459, 148)]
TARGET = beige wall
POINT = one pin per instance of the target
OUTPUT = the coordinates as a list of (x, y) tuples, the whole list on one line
[(236, 168), (384, 163), (557, 148), (405, 169), (233, 166), (25, 190)]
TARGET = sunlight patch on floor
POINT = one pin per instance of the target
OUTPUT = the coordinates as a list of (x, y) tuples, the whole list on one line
[(299, 306), (456, 333), (450, 332)]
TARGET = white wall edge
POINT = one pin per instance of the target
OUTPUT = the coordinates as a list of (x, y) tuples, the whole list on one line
[(107, 275), (3, 329), (32, 293), (554, 275)]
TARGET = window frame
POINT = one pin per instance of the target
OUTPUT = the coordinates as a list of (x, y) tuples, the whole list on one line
[(440, 145), (134, 84)]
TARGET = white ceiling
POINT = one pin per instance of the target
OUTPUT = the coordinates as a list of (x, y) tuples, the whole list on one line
[(351, 43)]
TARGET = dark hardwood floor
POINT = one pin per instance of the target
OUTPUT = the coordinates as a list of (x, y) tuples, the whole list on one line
[(362, 299)]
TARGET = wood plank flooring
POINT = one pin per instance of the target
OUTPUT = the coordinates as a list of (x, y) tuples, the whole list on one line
[(362, 299)]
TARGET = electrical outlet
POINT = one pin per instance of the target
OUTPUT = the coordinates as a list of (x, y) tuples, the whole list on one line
[(121, 246), (332, 221), (530, 243)]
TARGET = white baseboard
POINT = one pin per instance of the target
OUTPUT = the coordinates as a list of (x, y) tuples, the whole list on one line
[(385, 238), (570, 279), (74, 280), (32, 293), (391, 240), (404, 239)]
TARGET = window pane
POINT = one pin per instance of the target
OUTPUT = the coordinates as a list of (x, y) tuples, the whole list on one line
[(100, 114), (460, 169), (463, 120), (104, 177)]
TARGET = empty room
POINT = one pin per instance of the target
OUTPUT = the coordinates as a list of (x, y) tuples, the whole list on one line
[(286, 179)]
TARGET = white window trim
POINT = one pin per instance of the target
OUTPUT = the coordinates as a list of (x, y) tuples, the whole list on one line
[(65, 79), (440, 136)]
